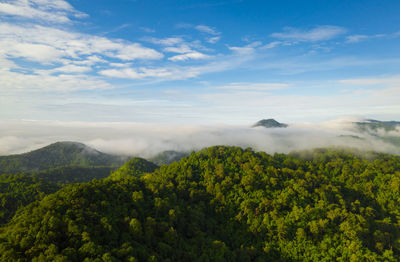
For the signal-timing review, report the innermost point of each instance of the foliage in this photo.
(168, 157)
(134, 167)
(375, 125)
(73, 174)
(56, 155)
(17, 191)
(222, 204)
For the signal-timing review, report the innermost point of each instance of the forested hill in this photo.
(135, 167)
(221, 204)
(270, 123)
(56, 155)
(17, 191)
(369, 125)
(168, 157)
(73, 174)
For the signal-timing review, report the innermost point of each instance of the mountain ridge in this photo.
(270, 123)
(58, 154)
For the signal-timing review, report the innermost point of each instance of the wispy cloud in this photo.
(245, 50)
(189, 55)
(56, 11)
(180, 49)
(253, 86)
(272, 45)
(46, 44)
(44, 81)
(359, 38)
(169, 41)
(138, 73)
(63, 55)
(185, 49)
(213, 40)
(147, 29)
(239, 56)
(381, 81)
(206, 29)
(320, 33)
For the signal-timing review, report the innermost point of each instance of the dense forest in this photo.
(17, 191)
(56, 155)
(220, 204)
(64, 175)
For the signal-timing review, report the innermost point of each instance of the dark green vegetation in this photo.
(17, 191)
(168, 157)
(374, 125)
(134, 168)
(73, 174)
(56, 155)
(269, 123)
(381, 130)
(221, 204)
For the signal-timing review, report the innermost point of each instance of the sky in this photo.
(198, 62)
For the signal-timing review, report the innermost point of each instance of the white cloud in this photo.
(356, 38)
(188, 56)
(43, 81)
(253, 86)
(35, 52)
(320, 33)
(136, 73)
(385, 81)
(72, 69)
(169, 41)
(48, 45)
(184, 48)
(213, 40)
(359, 38)
(136, 51)
(65, 58)
(147, 30)
(206, 29)
(57, 11)
(272, 45)
(146, 140)
(245, 50)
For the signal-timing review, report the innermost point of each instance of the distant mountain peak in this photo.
(384, 122)
(58, 154)
(69, 146)
(270, 123)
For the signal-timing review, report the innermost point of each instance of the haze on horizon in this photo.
(191, 64)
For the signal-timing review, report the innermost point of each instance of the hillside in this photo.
(270, 123)
(373, 125)
(56, 155)
(222, 204)
(73, 174)
(168, 157)
(17, 191)
(135, 167)
(387, 131)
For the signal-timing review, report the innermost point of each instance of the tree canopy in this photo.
(221, 204)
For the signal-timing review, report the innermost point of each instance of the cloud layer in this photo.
(148, 139)
(55, 11)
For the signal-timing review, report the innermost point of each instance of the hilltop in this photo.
(56, 155)
(270, 123)
(369, 125)
(220, 204)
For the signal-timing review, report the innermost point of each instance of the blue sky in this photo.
(198, 62)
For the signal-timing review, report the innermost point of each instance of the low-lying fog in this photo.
(148, 139)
